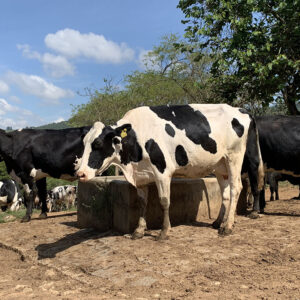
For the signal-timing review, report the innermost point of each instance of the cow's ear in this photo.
(123, 130)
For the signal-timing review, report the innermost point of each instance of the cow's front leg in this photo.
(143, 199)
(163, 188)
(30, 193)
(225, 193)
(42, 193)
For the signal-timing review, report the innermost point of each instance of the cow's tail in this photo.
(261, 171)
(253, 165)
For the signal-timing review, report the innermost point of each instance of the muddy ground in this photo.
(53, 259)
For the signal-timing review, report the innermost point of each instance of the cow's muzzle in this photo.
(82, 176)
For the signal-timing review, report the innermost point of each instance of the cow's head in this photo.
(101, 146)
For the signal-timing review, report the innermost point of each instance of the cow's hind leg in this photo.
(234, 167)
(42, 193)
(225, 193)
(163, 187)
(143, 199)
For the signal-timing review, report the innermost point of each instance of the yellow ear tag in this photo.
(124, 133)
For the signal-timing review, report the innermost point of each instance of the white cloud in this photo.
(4, 88)
(15, 99)
(39, 87)
(14, 123)
(6, 107)
(55, 65)
(27, 52)
(73, 44)
(14, 116)
(59, 120)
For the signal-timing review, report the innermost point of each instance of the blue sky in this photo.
(51, 50)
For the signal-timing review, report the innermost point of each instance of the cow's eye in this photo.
(96, 144)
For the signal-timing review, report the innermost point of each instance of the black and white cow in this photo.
(279, 139)
(10, 196)
(61, 196)
(31, 155)
(153, 144)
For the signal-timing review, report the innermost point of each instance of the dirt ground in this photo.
(53, 259)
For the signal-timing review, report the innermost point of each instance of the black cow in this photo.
(279, 139)
(10, 196)
(32, 155)
(274, 177)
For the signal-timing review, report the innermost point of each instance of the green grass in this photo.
(21, 213)
(17, 214)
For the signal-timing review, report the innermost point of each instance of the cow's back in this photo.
(199, 124)
(189, 136)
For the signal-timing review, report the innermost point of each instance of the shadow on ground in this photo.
(51, 249)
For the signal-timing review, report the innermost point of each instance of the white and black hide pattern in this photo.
(153, 144)
(10, 196)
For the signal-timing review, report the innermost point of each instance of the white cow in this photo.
(153, 144)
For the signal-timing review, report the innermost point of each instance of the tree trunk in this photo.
(290, 98)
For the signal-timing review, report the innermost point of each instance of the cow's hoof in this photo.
(43, 216)
(216, 225)
(253, 215)
(25, 219)
(137, 235)
(223, 231)
(162, 236)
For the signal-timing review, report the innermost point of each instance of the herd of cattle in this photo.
(153, 144)
(59, 198)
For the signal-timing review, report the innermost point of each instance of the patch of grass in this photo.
(4, 216)
(17, 214)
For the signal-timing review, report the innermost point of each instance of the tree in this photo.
(169, 77)
(172, 76)
(254, 45)
(106, 105)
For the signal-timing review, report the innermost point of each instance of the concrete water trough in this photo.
(112, 203)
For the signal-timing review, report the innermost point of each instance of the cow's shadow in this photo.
(50, 250)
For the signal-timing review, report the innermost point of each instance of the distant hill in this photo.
(56, 126)
(59, 125)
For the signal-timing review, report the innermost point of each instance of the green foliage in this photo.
(169, 77)
(254, 45)
(3, 172)
(56, 126)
